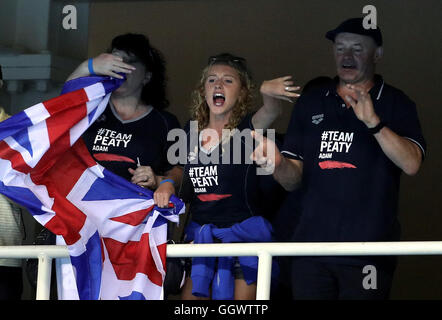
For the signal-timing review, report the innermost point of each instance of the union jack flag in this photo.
(115, 235)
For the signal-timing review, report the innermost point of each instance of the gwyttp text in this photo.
(236, 147)
(222, 309)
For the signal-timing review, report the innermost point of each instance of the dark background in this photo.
(286, 37)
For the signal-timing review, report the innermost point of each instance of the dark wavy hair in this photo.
(154, 92)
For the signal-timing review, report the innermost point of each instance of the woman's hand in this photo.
(273, 91)
(281, 88)
(144, 177)
(105, 64)
(109, 65)
(162, 195)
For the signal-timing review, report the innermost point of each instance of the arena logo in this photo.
(236, 148)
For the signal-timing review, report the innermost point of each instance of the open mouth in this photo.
(219, 99)
(348, 66)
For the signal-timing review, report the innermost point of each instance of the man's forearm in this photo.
(401, 151)
(289, 173)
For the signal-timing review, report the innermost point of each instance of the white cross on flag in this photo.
(115, 234)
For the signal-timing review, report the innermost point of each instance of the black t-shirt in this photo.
(349, 186)
(118, 144)
(222, 193)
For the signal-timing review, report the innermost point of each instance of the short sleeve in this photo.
(293, 140)
(405, 121)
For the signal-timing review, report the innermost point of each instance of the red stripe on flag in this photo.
(61, 103)
(134, 218)
(72, 161)
(134, 257)
(17, 161)
(59, 125)
(68, 113)
(68, 220)
(62, 165)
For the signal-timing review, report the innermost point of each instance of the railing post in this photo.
(264, 276)
(44, 277)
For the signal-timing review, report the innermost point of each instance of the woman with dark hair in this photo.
(130, 137)
(224, 193)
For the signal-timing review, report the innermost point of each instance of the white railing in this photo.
(264, 251)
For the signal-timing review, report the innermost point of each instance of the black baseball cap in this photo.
(354, 25)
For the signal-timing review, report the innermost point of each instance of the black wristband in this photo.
(376, 129)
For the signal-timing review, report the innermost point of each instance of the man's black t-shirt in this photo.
(349, 187)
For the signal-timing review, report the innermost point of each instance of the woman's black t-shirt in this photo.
(223, 182)
(118, 145)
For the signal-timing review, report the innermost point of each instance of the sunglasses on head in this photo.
(226, 58)
(229, 60)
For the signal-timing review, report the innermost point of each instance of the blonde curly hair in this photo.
(199, 108)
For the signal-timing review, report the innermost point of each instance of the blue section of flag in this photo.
(121, 189)
(88, 268)
(22, 138)
(12, 126)
(24, 197)
(109, 83)
(159, 221)
(91, 115)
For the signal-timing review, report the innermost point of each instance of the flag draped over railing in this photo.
(115, 234)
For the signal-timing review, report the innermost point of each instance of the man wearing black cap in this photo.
(347, 143)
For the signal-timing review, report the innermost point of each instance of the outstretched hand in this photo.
(281, 88)
(362, 105)
(266, 154)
